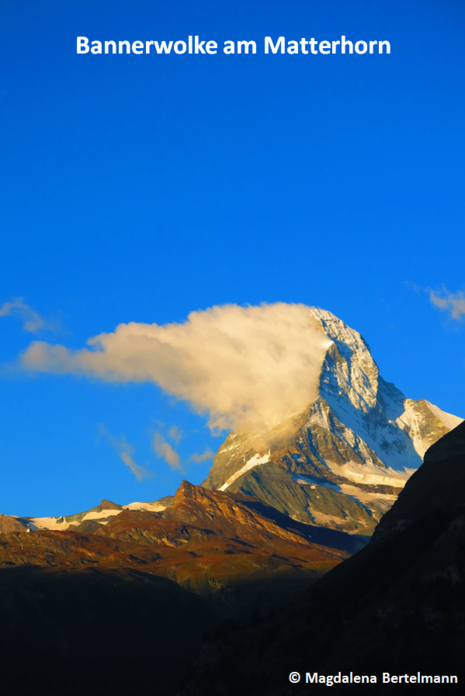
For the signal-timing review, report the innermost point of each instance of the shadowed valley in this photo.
(125, 605)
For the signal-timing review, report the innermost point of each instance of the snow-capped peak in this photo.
(361, 434)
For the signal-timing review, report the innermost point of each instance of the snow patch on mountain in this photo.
(373, 475)
(53, 523)
(64, 523)
(151, 507)
(256, 460)
(102, 515)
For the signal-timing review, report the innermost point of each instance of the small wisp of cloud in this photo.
(204, 457)
(165, 451)
(125, 452)
(31, 320)
(175, 434)
(452, 303)
(449, 302)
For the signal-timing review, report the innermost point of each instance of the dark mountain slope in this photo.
(96, 632)
(397, 606)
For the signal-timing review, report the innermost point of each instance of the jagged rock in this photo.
(11, 524)
(108, 505)
(238, 516)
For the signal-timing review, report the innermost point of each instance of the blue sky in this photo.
(141, 188)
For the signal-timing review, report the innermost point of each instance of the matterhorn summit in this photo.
(344, 459)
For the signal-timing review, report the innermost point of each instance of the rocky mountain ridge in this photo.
(203, 537)
(89, 520)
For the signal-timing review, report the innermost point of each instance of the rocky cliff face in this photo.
(238, 516)
(346, 457)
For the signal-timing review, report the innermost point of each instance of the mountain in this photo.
(252, 573)
(396, 606)
(347, 456)
(339, 464)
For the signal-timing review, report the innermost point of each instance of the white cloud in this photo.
(164, 450)
(246, 367)
(449, 302)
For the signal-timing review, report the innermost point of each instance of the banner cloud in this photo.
(248, 368)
